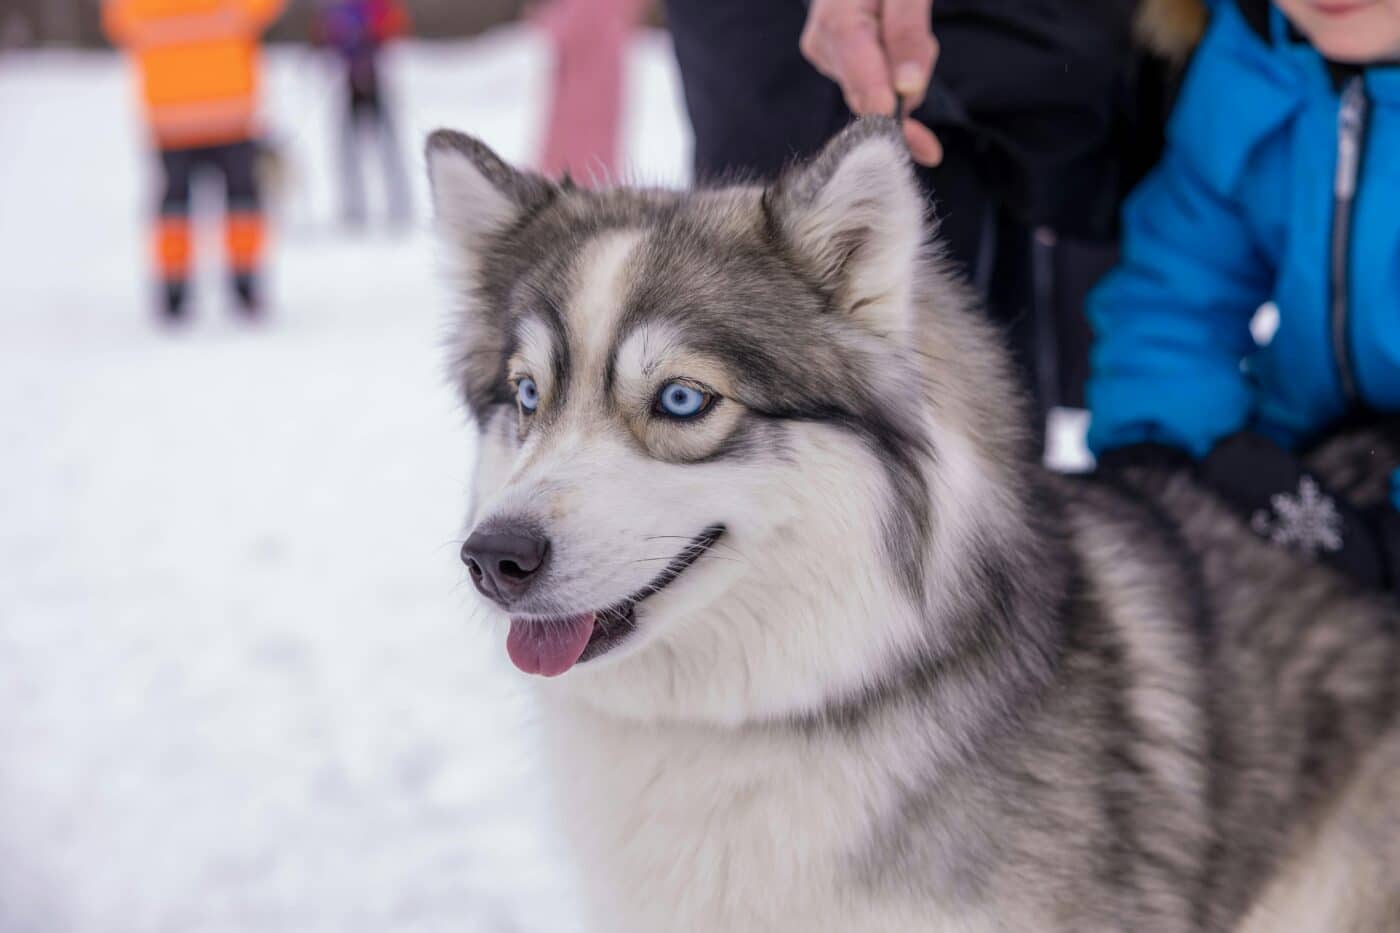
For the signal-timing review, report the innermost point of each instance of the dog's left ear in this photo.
(855, 216)
(476, 193)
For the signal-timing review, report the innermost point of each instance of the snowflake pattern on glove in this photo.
(1307, 520)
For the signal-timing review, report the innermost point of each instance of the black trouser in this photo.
(366, 112)
(236, 164)
(1028, 191)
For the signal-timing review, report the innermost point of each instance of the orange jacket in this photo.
(197, 61)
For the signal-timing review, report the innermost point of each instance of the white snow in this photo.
(243, 682)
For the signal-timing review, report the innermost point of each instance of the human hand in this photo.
(875, 49)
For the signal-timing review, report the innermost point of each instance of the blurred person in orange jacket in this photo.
(357, 31)
(198, 62)
(585, 112)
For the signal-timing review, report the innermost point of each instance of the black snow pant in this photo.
(1046, 113)
(236, 164)
(367, 113)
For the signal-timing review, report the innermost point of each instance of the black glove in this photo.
(1385, 523)
(1289, 507)
(1162, 456)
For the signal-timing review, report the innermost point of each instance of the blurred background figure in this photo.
(198, 63)
(589, 40)
(357, 32)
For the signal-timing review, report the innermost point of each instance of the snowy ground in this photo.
(241, 684)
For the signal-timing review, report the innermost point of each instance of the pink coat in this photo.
(585, 112)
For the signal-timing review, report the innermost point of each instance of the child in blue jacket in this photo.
(1280, 182)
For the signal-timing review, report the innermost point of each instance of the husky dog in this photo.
(823, 648)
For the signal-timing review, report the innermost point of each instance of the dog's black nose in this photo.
(504, 561)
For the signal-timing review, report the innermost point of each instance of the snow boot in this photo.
(248, 295)
(174, 304)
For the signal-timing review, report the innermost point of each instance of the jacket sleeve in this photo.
(391, 21)
(263, 13)
(118, 21)
(1171, 322)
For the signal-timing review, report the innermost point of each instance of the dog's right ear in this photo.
(477, 196)
(476, 193)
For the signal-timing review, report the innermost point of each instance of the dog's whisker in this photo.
(719, 543)
(671, 557)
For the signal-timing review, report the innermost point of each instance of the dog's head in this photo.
(709, 451)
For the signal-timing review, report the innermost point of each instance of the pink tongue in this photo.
(551, 647)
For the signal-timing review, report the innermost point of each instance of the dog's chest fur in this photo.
(680, 828)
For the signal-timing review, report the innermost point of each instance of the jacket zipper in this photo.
(1351, 138)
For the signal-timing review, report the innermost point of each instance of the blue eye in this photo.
(678, 400)
(528, 395)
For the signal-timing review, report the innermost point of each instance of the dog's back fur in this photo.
(929, 686)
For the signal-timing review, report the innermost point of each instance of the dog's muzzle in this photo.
(507, 559)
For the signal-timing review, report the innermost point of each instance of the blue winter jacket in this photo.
(1276, 185)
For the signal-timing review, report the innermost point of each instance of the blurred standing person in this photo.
(585, 112)
(357, 31)
(199, 68)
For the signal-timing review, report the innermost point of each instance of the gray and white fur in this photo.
(906, 680)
